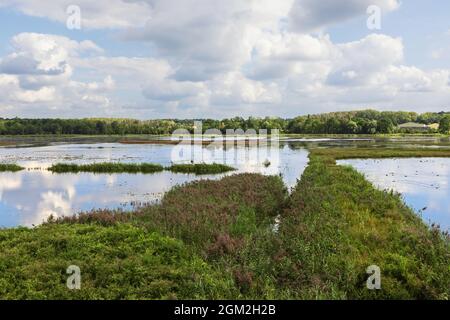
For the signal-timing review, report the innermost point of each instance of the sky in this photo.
(149, 59)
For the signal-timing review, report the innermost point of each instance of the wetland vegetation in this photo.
(332, 154)
(106, 167)
(110, 167)
(241, 237)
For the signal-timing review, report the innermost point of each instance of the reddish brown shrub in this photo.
(243, 279)
(223, 244)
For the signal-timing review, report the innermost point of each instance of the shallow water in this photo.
(423, 182)
(32, 195)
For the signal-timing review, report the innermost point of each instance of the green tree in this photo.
(444, 124)
(352, 127)
(385, 125)
(100, 127)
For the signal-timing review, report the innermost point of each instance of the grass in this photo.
(227, 222)
(10, 167)
(198, 243)
(7, 143)
(201, 211)
(107, 167)
(200, 168)
(337, 224)
(116, 262)
(364, 153)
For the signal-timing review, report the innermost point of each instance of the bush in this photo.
(116, 262)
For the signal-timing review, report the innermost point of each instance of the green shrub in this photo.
(116, 262)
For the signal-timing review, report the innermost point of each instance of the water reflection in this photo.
(424, 183)
(31, 196)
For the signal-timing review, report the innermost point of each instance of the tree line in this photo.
(353, 122)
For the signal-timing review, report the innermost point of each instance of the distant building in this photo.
(434, 126)
(414, 127)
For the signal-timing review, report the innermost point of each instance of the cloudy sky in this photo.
(222, 58)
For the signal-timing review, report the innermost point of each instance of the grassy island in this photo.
(106, 167)
(10, 167)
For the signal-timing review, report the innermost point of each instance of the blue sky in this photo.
(211, 58)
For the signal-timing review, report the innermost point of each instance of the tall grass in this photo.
(364, 153)
(222, 228)
(120, 261)
(337, 224)
(200, 211)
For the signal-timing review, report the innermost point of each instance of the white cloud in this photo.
(108, 14)
(311, 15)
(201, 38)
(44, 94)
(40, 70)
(235, 89)
(415, 80)
(211, 57)
(278, 55)
(359, 61)
(42, 54)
